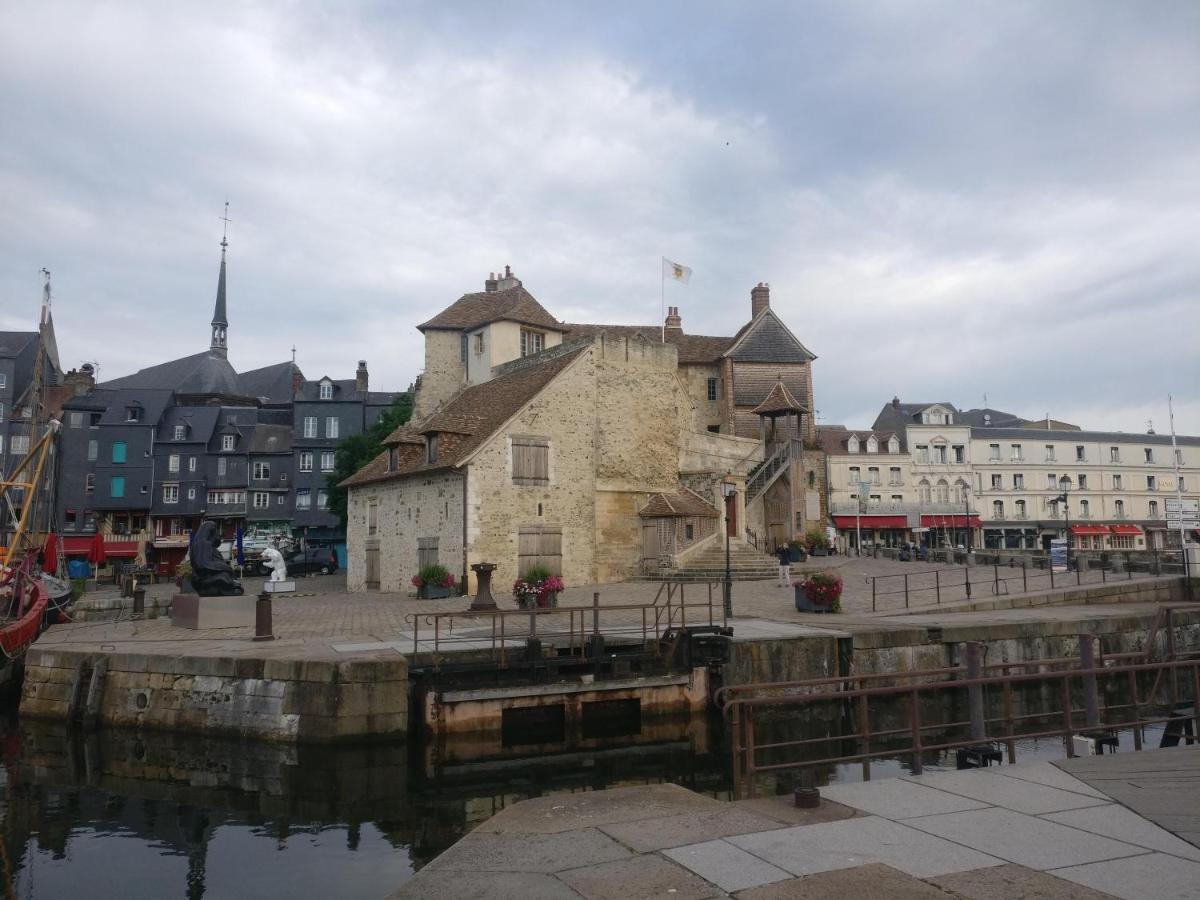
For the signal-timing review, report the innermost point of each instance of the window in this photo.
(532, 342)
(894, 475)
(331, 426)
(714, 429)
(1116, 482)
(1051, 482)
(943, 491)
(530, 460)
(262, 471)
(1122, 542)
(1178, 457)
(310, 426)
(1018, 481)
(279, 498)
(3, 380)
(922, 453)
(1181, 484)
(1049, 453)
(893, 444)
(180, 432)
(712, 389)
(431, 448)
(855, 476)
(939, 453)
(74, 420)
(479, 344)
(1082, 481)
(173, 463)
(1085, 509)
(427, 552)
(1, 412)
(462, 348)
(118, 451)
(1119, 508)
(326, 391)
(306, 459)
(994, 452)
(322, 499)
(1016, 453)
(116, 486)
(133, 413)
(872, 445)
(997, 509)
(191, 493)
(923, 494)
(93, 450)
(261, 499)
(539, 546)
(170, 493)
(1079, 455)
(373, 518)
(226, 498)
(852, 444)
(874, 501)
(1151, 483)
(1114, 454)
(997, 482)
(222, 467)
(19, 445)
(89, 483)
(1149, 451)
(303, 499)
(1020, 504)
(873, 475)
(94, 420)
(227, 442)
(1154, 509)
(327, 458)
(960, 453)
(897, 501)
(191, 464)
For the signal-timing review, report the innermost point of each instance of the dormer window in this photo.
(227, 442)
(893, 445)
(852, 444)
(180, 432)
(532, 342)
(431, 448)
(393, 458)
(325, 391)
(133, 413)
(872, 445)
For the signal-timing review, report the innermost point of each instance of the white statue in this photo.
(274, 561)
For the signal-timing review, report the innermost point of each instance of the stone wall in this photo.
(444, 375)
(265, 699)
(705, 412)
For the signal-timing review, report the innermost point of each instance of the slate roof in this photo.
(779, 401)
(13, 342)
(200, 421)
(153, 403)
(467, 421)
(200, 373)
(767, 339)
(470, 311)
(270, 383)
(1115, 437)
(895, 416)
(682, 503)
(693, 348)
(995, 418)
(835, 440)
(271, 439)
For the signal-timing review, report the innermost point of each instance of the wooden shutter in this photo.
(539, 545)
(531, 460)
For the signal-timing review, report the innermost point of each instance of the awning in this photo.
(951, 521)
(1089, 529)
(122, 548)
(871, 521)
(76, 546)
(1124, 529)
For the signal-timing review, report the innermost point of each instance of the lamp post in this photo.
(729, 490)
(1064, 485)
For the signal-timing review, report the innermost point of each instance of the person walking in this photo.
(784, 554)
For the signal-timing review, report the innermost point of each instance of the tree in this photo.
(357, 450)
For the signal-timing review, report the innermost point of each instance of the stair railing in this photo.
(765, 474)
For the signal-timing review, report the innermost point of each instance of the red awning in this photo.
(122, 548)
(871, 521)
(949, 521)
(1089, 529)
(76, 546)
(1124, 529)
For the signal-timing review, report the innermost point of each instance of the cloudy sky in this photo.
(948, 199)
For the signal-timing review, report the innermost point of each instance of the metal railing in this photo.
(764, 474)
(748, 707)
(505, 631)
(1019, 574)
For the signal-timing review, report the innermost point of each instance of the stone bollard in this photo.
(262, 618)
(483, 593)
(806, 794)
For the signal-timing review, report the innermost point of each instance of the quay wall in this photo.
(264, 699)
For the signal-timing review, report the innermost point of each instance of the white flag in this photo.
(676, 271)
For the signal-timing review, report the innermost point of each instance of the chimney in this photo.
(297, 380)
(508, 281)
(80, 380)
(489, 286)
(674, 324)
(895, 402)
(760, 299)
(360, 377)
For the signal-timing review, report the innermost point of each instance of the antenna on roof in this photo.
(45, 295)
(225, 228)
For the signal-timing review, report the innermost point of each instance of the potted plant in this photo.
(796, 546)
(538, 589)
(816, 541)
(819, 592)
(183, 575)
(433, 582)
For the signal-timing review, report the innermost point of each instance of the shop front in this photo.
(876, 530)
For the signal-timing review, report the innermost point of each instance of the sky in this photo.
(949, 200)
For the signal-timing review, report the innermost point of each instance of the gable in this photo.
(767, 339)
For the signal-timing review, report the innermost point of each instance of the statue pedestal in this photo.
(279, 587)
(200, 613)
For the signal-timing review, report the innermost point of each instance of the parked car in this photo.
(314, 560)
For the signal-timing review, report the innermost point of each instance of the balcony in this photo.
(851, 507)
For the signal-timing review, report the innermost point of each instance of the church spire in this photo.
(220, 323)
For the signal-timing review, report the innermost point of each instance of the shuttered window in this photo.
(427, 552)
(539, 545)
(531, 460)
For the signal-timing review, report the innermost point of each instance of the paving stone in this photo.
(1027, 840)
(1010, 881)
(1125, 825)
(875, 881)
(427, 885)
(483, 852)
(646, 835)
(1048, 774)
(1011, 793)
(641, 877)
(808, 849)
(895, 798)
(730, 868)
(564, 812)
(1153, 875)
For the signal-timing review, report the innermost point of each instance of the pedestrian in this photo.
(784, 554)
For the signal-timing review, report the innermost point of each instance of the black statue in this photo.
(211, 575)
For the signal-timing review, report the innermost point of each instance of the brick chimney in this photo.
(80, 380)
(508, 281)
(489, 286)
(760, 299)
(674, 324)
(297, 381)
(360, 376)
(895, 402)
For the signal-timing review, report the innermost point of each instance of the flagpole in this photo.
(662, 297)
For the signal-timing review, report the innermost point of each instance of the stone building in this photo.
(596, 450)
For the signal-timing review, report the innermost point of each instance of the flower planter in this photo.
(819, 551)
(548, 601)
(796, 554)
(804, 603)
(431, 592)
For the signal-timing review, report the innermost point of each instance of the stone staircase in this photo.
(745, 564)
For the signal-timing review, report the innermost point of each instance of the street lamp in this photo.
(729, 490)
(1064, 485)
